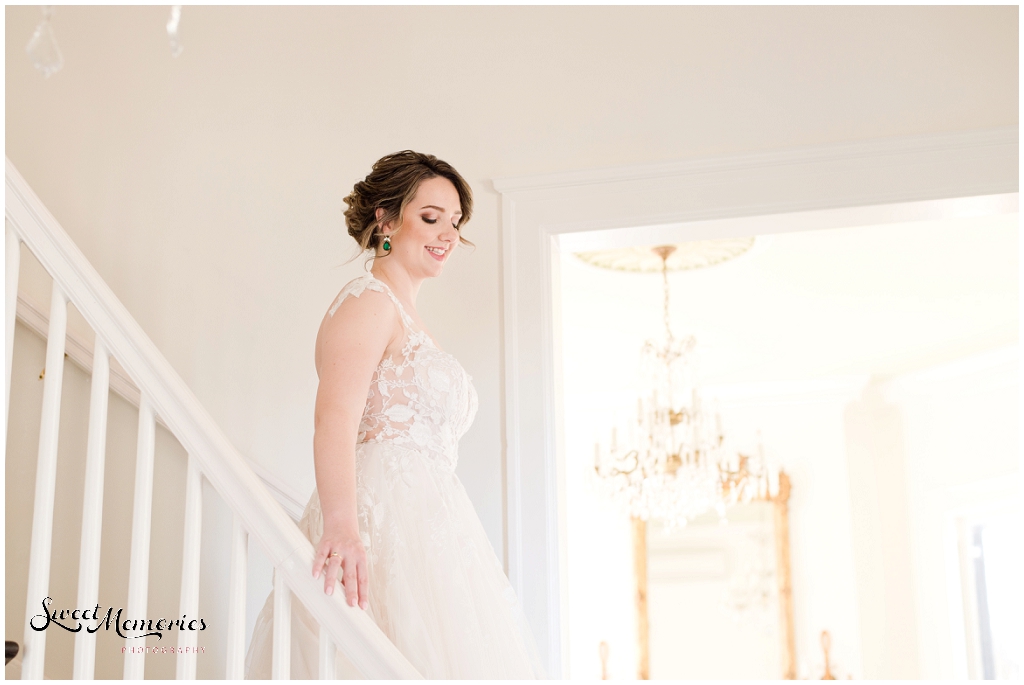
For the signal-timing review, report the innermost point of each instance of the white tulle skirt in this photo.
(436, 588)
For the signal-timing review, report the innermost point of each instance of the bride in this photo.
(389, 518)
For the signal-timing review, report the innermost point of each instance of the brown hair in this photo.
(390, 186)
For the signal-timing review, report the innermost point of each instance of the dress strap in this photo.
(356, 287)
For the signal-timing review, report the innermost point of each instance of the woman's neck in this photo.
(402, 284)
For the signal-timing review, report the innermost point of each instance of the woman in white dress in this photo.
(389, 518)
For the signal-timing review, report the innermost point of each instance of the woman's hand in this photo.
(345, 552)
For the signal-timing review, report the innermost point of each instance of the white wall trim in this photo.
(878, 181)
(80, 352)
(995, 138)
(980, 372)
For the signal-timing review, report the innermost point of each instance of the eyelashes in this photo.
(428, 220)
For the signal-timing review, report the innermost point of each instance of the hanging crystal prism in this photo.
(42, 47)
(172, 31)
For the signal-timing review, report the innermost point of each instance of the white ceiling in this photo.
(877, 300)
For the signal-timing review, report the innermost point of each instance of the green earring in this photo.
(387, 244)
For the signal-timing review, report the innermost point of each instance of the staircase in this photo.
(164, 397)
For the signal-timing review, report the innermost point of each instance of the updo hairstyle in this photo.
(390, 186)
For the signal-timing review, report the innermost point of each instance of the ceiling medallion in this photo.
(696, 254)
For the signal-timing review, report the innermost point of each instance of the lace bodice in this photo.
(420, 397)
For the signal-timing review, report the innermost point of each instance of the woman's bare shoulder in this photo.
(362, 315)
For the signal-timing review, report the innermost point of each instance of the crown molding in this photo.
(1006, 137)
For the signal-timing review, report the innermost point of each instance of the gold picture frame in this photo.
(783, 577)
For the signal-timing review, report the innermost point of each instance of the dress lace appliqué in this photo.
(421, 397)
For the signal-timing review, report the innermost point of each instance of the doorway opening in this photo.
(865, 360)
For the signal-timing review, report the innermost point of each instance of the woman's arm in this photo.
(350, 345)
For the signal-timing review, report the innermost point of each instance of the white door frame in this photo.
(874, 182)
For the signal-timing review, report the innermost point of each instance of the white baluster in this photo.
(189, 606)
(235, 669)
(142, 513)
(13, 261)
(328, 655)
(281, 668)
(46, 482)
(92, 509)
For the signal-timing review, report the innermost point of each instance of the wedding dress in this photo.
(436, 588)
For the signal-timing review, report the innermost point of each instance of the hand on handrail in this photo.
(338, 551)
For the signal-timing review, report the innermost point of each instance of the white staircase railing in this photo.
(211, 456)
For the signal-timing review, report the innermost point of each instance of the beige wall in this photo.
(207, 189)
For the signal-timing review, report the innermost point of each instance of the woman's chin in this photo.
(434, 269)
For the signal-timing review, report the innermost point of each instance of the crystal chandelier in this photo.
(678, 466)
(671, 472)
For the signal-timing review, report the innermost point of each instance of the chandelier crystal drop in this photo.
(42, 46)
